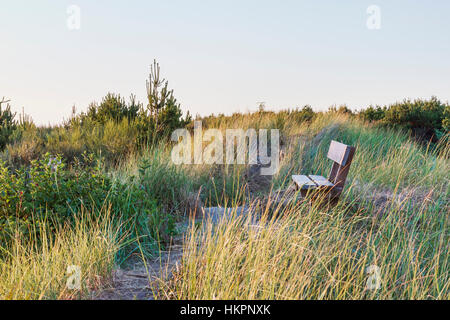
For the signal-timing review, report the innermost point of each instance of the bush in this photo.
(7, 124)
(111, 140)
(47, 187)
(26, 146)
(113, 128)
(113, 107)
(425, 114)
(341, 110)
(171, 118)
(446, 120)
(372, 113)
(306, 114)
(427, 119)
(49, 190)
(69, 143)
(165, 182)
(117, 139)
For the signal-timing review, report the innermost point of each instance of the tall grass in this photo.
(311, 253)
(175, 187)
(36, 267)
(392, 215)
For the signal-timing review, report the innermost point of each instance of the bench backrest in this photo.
(342, 155)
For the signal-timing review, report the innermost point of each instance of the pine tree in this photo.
(157, 93)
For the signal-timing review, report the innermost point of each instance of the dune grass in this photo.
(393, 215)
(391, 223)
(36, 268)
(310, 254)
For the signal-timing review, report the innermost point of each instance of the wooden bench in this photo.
(342, 155)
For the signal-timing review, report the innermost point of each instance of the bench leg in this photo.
(326, 196)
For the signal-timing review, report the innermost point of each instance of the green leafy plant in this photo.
(416, 114)
(7, 123)
(48, 189)
(372, 113)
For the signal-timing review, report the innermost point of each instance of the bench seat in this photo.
(311, 182)
(342, 156)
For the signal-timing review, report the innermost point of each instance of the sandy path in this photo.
(139, 280)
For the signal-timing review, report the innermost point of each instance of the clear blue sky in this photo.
(223, 56)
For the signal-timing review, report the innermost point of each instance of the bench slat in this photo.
(303, 182)
(321, 181)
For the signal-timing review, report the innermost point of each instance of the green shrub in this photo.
(26, 146)
(341, 110)
(426, 119)
(48, 187)
(427, 114)
(113, 107)
(111, 140)
(113, 128)
(164, 181)
(117, 139)
(372, 113)
(446, 120)
(171, 118)
(306, 114)
(69, 143)
(7, 124)
(49, 190)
